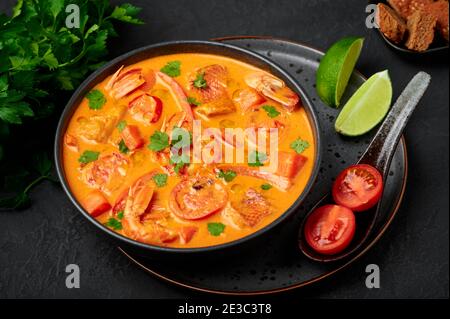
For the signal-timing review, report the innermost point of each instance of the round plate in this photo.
(279, 265)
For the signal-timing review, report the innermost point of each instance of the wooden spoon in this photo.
(379, 154)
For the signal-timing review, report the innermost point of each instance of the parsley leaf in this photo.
(228, 176)
(158, 141)
(120, 215)
(257, 159)
(126, 13)
(266, 187)
(172, 68)
(216, 229)
(160, 180)
(88, 156)
(179, 162)
(121, 126)
(271, 111)
(96, 99)
(114, 223)
(200, 82)
(299, 145)
(123, 148)
(193, 101)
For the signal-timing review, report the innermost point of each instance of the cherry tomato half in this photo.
(330, 229)
(358, 187)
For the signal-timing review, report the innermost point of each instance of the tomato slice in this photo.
(358, 187)
(330, 229)
(197, 197)
(132, 137)
(146, 108)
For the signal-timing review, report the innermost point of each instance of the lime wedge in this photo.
(335, 69)
(367, 107)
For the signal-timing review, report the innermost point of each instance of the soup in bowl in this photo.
(187, 150)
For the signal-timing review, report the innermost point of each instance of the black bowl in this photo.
(155, 50)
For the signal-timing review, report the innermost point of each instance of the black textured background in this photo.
(36, 244)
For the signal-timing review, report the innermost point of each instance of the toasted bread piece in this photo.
(421, 27)
(407, 7)
(391, 23)
(439, 10)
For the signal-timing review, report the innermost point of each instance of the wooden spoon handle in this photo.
(382, 148)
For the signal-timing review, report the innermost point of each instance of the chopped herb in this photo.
(271, 111)
(228, 176)
(299, 145)
(200, 82)
(96, 99)
(88, 156)
(216, 229)
(193, 101)
(178, 139)
(179, 162)
(158, 141)
(257, 159)
(266, 187)
(123, 148)
(120, 215)
(172, 69)
(160, 180)
(114, 224)
(121, 126)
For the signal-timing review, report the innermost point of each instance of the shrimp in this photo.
(139, 197)
(273, 88)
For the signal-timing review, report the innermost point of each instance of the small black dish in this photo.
(208, 47)
(438, 46)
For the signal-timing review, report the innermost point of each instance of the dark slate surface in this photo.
(36, 244)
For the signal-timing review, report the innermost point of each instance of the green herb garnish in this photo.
(299, 145)
(266, 187)
(179, 162)
(114, 223)
(216, 229)
(172, 69)
(228, 176)
(88, 156)
(96, 99)
(123, 148)
(160, 180)
(257, 159)
(45, 52)
(193, 101)
(158, 141)
(121, 126)
(200, 82)
(271, 111)
(120, 215)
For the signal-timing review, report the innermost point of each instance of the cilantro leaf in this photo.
(200, 82)
(160, 179)
(120, 215)
(216, 229)
(179, 162)
(193, 101)
(271, 111)
(158, 141)
(121, 126)
(172, 69)
(256, 159)
(88, 156)
(114, 223)
(123, 148)
(299, 145)
(266, 187)
(96, 99)
(228, 176)
(126, 13)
